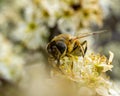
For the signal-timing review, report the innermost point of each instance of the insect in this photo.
(67, 45)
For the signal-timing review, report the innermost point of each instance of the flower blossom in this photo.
(88, 72)
(11, 65)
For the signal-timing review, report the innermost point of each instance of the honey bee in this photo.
(67, 45)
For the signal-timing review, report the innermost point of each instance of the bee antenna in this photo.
(90, 33)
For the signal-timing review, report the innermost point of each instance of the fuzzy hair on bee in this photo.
(67, 45)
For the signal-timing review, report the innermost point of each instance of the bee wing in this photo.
(89, 34)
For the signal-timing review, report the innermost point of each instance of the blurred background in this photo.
(26, 26)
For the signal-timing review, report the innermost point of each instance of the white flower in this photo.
(87, 72)
(11, 65)
(103, 91)
(32, 35)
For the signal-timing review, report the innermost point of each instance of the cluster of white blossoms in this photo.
(88, 73)
(70, 16)
(11, 65)
(31, 34)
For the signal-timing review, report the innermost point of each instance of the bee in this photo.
(67, 45)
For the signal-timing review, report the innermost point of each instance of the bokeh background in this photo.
(26, 26)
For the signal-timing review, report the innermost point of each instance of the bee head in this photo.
(56, 48)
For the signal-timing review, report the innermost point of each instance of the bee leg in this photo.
(58, 62)
(72, 59)
(77, 50)
(84, 47)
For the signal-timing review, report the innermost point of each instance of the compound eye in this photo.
(61, 46)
